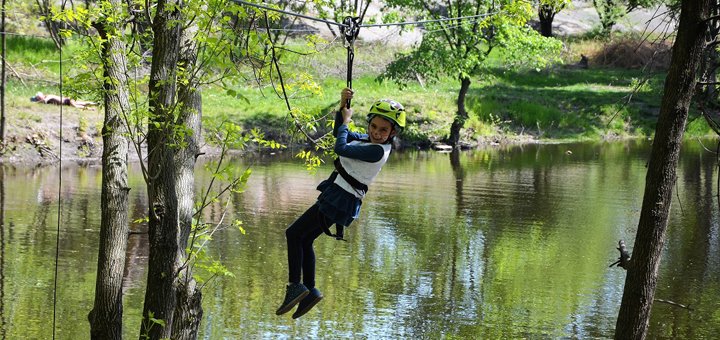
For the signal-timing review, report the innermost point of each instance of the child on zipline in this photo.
(360, 158)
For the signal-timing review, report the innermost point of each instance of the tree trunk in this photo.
(642, 271)
(546, 15)
(188, 312)
(106, 315)
(163, 231)
(709, 75)
(462, 114)
(710, 61)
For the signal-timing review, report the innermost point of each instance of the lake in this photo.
(505, 242)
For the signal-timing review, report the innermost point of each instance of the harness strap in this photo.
(340, 232)
(348, 178)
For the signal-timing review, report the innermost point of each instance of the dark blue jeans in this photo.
(300, 236)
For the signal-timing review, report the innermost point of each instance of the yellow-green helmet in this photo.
(390, 110)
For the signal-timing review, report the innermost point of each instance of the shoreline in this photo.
(25, 154)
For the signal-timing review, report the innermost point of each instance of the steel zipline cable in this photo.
(330, 22)
(423, 22)
(406, 23)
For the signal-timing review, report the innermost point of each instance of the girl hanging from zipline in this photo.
(360, 158)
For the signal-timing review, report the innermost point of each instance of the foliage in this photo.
(612, 11)
(461, 48)
(21, 17)
(152, 322)
(547, 9)
(609, 11)
(226, 180)
(554, 6)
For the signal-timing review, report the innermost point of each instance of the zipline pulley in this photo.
(350, 30)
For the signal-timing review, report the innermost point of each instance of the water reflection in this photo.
(499, 243)
(3, 326)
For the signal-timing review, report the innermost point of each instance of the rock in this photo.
(442, 147)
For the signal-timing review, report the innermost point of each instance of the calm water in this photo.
(500, 243)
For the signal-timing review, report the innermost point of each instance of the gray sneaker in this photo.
(308, 303)
(294, 292)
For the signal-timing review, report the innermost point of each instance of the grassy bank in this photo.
(557, 103)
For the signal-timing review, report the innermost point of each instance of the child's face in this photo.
(380, 129)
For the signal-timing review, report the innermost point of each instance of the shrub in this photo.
(633, 52)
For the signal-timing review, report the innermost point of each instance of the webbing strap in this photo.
(349, 178)
(340, 232)
(350, 30)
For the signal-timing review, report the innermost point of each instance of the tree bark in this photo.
(546, 13)
(188, 312)
(461, 116)
(163, 231)
(710, 61)
(106, 315)
(642, 271)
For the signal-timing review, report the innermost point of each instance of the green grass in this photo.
(563, 103)
(30, 53)
(556, 103)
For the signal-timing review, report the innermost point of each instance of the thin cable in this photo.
(449, 27)
(289, 29)
(59, 214)
(288, 13)
(421, 22)
(407, 23)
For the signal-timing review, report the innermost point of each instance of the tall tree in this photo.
(642, 268)
(106, 315)
(160, 295)
(173, 299)
(460, 48)
(188, 312)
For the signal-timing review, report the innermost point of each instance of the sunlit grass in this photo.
(38, 56)
(556, 103)
(559, 103)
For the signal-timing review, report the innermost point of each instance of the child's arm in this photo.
(343, 117)
(368, 152)
(351, 136)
